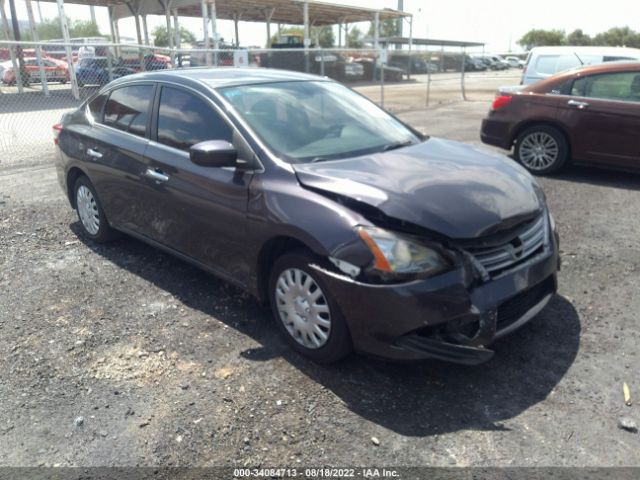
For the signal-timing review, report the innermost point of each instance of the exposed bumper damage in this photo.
(453, 317)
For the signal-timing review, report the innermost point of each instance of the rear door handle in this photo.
(577, 104)
(94, 153)
(156, 175)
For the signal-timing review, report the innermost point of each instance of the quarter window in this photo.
(95, 107)
(128, 109)
(184, 120)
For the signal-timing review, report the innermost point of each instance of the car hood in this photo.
(447, 187)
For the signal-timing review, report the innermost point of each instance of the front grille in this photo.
(514, 308)
(526, 242)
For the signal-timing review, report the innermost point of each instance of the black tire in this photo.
(338, 344)
(104, 232)
(556, 145)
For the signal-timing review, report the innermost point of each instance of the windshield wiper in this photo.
(396, 145)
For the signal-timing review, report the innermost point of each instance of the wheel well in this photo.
(269, 252)
(72, 176)
(544, 123)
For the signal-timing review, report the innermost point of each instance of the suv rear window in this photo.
(546, 64)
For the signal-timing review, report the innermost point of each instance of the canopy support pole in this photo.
(34, 37)
(12, 51)
(214, 30)
(205, 30)
(268, 15)
(67, 40)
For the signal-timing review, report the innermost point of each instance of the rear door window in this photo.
(185, 119)
(621, 86)
(128, 109)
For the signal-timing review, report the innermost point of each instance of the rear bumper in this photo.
(444, 317)
(496, 132)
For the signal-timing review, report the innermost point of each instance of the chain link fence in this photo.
(38, 83)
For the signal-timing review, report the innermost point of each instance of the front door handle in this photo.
(577, 104)
(156, 175)
(94, 153)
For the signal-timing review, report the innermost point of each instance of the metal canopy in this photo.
(289, 12)
(427, 41)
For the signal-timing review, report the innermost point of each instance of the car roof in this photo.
(609, 67)
(609, 51)
(216, 77)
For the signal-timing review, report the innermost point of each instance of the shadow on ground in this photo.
(418, 399)
(599, 177)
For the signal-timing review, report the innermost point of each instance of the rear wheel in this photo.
(305, 310)
(541, 149)
(92, 218)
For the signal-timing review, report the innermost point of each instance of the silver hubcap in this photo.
(303, 308)
(88, 210)
(539, 150)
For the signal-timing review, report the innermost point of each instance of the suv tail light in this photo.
(57, 128)
(501, 100)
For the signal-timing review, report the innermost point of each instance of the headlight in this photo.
(393, 253)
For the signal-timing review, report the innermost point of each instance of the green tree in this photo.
(578, 38)
(161, 39)
(618, 37)
(542, 38)
(84, 28)
(325, 36)
(50, 29)
(354, 38)
(388, 28)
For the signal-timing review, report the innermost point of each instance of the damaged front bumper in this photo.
(443, 317)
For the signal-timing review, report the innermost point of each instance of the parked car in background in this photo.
(515, 62)
(357, 230)
(412, 64)
(500, 62)
(590, 115)
(54, 70)
(489, 63)
(152, 61)
(95, 71)
(372, 70)
(543, 62)
(474, 65)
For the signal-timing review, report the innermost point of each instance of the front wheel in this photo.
(541, 149)
(305, 310)
(92, 218)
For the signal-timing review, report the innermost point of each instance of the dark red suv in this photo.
(590, 116)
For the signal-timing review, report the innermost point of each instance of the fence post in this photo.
(464, 58)
(381, 78)
(428, 77)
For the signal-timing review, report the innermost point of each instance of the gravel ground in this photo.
(122, 355)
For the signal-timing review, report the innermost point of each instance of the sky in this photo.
(497, 23)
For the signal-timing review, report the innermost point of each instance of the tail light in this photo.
(57, 128)
(501, 100)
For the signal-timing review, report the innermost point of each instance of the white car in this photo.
(514, 62)
(544, 62)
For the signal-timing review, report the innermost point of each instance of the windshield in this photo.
(314, 121)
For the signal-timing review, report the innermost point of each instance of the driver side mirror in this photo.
(214, 153)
